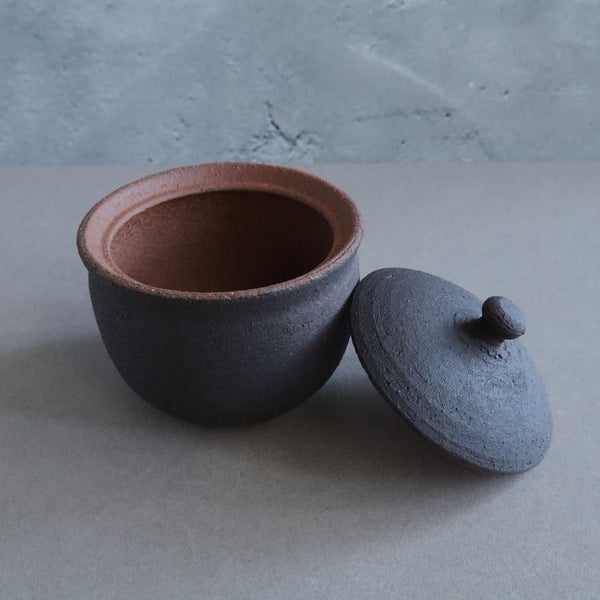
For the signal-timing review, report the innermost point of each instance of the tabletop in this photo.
(102, 496)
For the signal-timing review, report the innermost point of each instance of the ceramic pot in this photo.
(221, 291)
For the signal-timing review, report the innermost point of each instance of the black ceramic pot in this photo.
(221, 291)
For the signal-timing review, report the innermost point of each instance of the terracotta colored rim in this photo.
(107, 216)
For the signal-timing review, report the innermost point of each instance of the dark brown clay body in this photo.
(222, 291)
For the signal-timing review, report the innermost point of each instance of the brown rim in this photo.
(106, 217)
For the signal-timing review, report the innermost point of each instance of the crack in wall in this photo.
(293, 141)
(273, 140)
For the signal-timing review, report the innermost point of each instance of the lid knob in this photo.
(502, 318)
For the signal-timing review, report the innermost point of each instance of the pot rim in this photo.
(105, 218)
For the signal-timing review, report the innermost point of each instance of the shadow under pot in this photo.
(221, 291)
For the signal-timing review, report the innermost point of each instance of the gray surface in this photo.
(281, 80)
(104, 497)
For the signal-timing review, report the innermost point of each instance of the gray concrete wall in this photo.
(288, 80)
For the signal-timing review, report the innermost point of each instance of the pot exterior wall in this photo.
(232, 360)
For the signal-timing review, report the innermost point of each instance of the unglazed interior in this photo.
(222, 241)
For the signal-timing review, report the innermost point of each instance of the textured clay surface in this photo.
(428, 352)
(222, 291)
(222, 241)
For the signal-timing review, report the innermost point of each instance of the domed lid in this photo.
(453, 367)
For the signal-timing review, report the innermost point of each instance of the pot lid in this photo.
(453, 367)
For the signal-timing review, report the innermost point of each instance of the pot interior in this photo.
(222, 241)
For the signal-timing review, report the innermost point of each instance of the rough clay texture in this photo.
(221, 362)
(478, 398)
(280, 80)
(201, 344)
